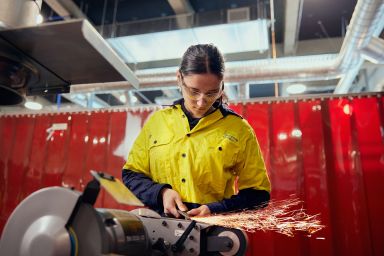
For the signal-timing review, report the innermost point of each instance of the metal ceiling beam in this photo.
(293, 12)
(181, 7)
(66, 9)
(58, 8)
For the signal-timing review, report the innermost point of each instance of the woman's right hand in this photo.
(171, 200)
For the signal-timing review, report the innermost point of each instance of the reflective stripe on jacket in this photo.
(203, 163)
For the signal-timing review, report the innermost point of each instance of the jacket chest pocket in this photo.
(216, 164)
(216, 168)
(221, 153)
(159, 157)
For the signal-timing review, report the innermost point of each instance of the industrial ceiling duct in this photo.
(374, 51)
(366, 23)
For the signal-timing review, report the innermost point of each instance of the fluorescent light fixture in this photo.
(296, 88)
(153, 46)
(237, 37)
(229, 38)
(33, 105)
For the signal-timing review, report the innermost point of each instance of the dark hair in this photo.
(202, 59)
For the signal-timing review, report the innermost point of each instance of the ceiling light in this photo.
(296, 88)
(33, 105)
(39, 19)
(134, 99)
(123, 98)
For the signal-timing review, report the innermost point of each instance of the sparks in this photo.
(283, 216)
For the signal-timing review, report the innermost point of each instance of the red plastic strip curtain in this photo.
(33, 176)
(310, 137)
(7, 132)
(345, 180)
(368, 117)
(17, 160)
(327, 152)
(330, 154)
(77, 151)
(258, 116)
(116, 150)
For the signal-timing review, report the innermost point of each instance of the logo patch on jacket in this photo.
(230, 137)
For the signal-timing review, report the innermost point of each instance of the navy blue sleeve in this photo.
(145, 189)
(246, 199)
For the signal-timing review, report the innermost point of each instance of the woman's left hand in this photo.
(200, 211)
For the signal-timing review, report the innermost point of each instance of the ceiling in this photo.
(319, 19)
(302, 28)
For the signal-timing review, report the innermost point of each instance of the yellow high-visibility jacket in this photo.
(200, 164)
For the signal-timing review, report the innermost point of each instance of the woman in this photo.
(189, 155)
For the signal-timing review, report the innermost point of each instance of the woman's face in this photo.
(200, 91)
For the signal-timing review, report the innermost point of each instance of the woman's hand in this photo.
(203, 210)
(171, 200)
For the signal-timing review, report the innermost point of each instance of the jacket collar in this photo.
(223, 108)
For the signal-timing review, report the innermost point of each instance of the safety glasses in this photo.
(195, 94)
